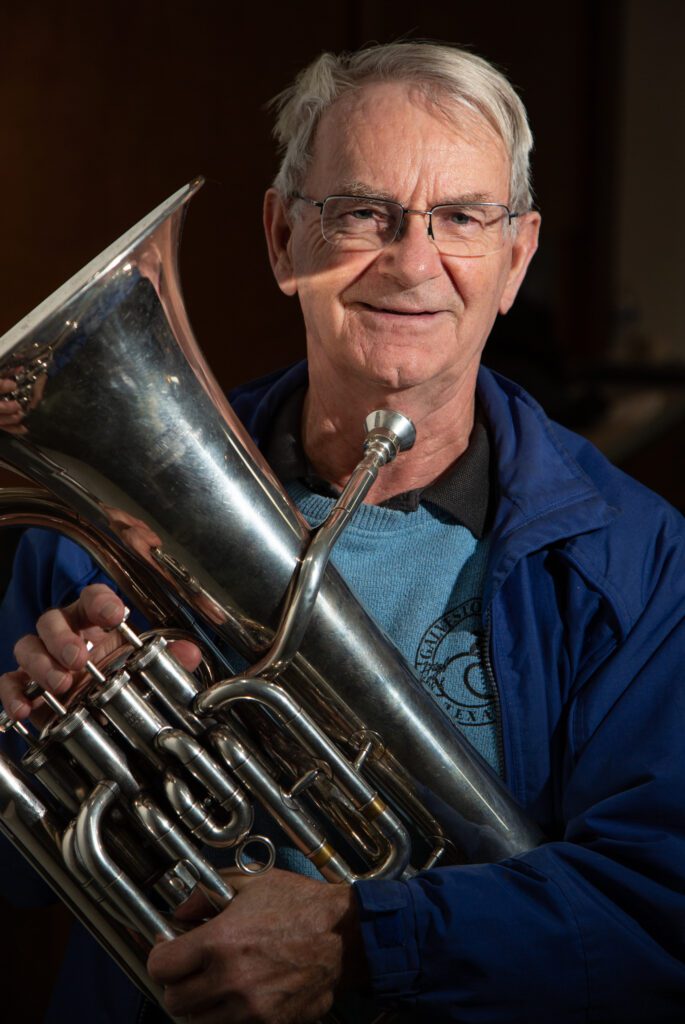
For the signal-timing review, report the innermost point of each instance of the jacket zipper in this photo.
(485, 645)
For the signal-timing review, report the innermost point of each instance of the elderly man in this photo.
(401, 219)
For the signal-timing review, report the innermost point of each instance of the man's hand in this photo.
(275, 955)
(56, 654)
(12, 412)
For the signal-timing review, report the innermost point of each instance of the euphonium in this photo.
(329, 730)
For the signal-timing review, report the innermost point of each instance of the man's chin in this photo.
(395, 375)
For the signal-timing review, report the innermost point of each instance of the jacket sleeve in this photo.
(588, 927)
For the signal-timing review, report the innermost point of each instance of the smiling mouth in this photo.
(398, 312)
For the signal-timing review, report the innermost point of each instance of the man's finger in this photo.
(37, 663)
(59, 629)
(97, 605)
(186, 654)
(195, 996)
(175, 959)
(12, 686)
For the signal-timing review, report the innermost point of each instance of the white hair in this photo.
(444, 74)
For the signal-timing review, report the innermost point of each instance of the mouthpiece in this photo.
(397, 428)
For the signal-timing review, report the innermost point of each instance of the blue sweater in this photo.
(584, 604)
(420, 576)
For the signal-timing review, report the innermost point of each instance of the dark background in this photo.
(107, 108)
(105, 114)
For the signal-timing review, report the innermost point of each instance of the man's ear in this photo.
(278, 232)
(522, 251)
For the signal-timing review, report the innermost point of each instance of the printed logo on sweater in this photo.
(449, 662)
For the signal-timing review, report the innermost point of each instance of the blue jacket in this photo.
(584, 611)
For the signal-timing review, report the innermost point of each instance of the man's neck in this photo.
(333, 431)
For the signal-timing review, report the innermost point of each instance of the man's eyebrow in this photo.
(466, 197)
(364, 191)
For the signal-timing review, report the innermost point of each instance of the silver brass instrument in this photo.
(141, 460)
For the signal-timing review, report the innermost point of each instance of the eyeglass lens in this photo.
(366, 224)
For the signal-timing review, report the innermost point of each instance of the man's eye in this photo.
(361, 219)
(368, 214)
(465, 218)
(464, 222)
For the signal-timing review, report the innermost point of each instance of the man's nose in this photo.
(413, 257)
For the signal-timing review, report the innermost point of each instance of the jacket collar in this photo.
(256, 403)
(544, 495)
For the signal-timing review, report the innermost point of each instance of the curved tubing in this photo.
(208, 773)
(119, 888)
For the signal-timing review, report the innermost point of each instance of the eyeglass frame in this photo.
(320, 203)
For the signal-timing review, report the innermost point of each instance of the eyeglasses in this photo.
(363, 224)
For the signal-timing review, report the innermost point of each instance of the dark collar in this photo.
(463, 491)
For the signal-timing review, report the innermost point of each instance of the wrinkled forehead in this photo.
(387, 125)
